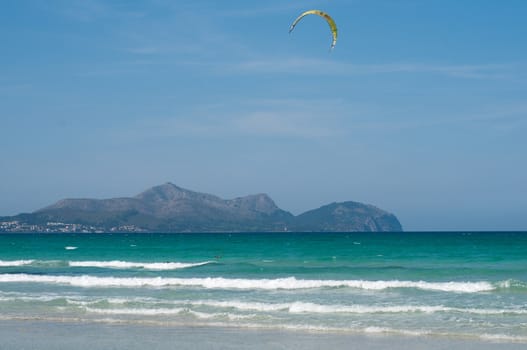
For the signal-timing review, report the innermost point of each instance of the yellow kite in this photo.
(331, 22)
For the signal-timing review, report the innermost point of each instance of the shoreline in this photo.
(54, 334)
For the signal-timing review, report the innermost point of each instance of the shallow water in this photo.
(47, 335)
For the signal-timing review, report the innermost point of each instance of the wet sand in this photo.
(46, 335)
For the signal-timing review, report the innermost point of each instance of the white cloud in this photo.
(282, 124)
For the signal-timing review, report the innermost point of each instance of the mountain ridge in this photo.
(170, 208)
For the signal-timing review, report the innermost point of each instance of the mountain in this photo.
(169, 208)
(347, 216)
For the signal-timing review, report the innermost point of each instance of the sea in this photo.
(457, 285)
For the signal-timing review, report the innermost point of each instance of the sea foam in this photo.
(306, 307)
(289, 283)
(135, 311)
(14, 263)
(294, 307)
(116, 264)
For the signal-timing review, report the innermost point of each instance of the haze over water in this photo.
(453, 285)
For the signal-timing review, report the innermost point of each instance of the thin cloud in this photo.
(90, 10)
(263, 10)
(323, 67)
(504, 118)
(261, 118)
(261, 124)
(282, 125)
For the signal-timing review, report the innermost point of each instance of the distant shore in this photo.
(46, 335)
(169, 208)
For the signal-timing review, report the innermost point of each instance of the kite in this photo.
(331, 22)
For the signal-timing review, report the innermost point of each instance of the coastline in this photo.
(47, 335)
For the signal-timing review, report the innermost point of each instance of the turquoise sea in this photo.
(456, 285)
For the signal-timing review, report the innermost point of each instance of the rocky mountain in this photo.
(169, 208)
(347, 216)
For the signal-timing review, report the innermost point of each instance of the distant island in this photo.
(169, 208)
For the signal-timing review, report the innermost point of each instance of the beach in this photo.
(45, 335)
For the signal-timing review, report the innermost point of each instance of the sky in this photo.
(421, 108)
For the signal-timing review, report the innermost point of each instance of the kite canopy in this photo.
(331, 22)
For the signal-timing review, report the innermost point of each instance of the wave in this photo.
(301, 307)
(113, 264)
(513, 285)
(295, 307)
(419, 333)
(135, 311)
(14, 263)
(167, 312)
(305, 307)
(289, 283)
(116, 264)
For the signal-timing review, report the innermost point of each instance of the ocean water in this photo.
(453, 285)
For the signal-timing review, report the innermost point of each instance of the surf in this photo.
(117, 264)
(288, 283)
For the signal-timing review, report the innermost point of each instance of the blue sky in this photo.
(421, 109)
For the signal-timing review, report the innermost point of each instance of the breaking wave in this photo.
(288, 283)
(113, 264)
(116, 264)
(14, 263)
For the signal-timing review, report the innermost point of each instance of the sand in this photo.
(46, 335)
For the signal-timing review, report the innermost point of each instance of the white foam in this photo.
(30, 299)
(300, 307)
(14, 263)
(166, 312)
(136, 311)
(232, 317)
(289, 283)
(304, 307)
(240, 305)
(492, 311)
(504, 338)
(420, 333)
(116, 264)
(87, 301)
(70, 248)
(296, 307)
(382, 330)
